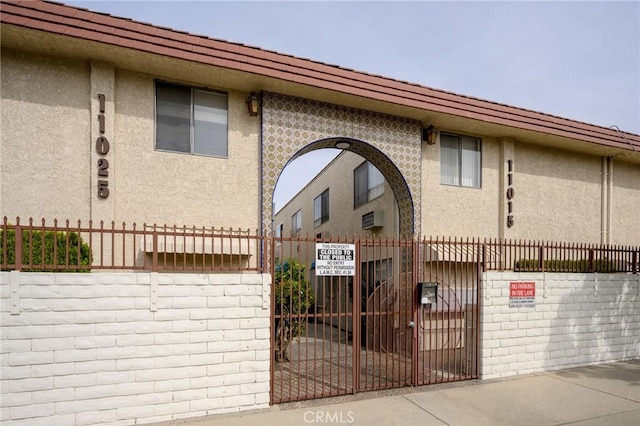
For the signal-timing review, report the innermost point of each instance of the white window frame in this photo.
(374, 184)
(215, 116)
(460, 165)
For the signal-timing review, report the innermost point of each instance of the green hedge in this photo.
(66, 245)
(555, 265)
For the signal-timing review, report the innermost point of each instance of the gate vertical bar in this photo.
(19, 248)
(272, 321)
(417, 267)
(356, 319)
(482, 267)
(272, 316)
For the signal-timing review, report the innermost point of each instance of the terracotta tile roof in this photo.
(81, 23)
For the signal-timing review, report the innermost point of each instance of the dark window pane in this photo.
(173, 112)
(325, 206)
(317, 211)
(360, 192)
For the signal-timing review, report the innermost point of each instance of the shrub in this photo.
(34, 245)
(293, 297)
(556, 265)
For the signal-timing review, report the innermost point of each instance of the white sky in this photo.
(576, 59)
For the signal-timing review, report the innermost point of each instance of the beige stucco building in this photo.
(108, 119)
(561, 196)
(113, 121)
(50, 106)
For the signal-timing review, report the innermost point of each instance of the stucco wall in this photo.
(48, 164)
(123, 348)
(48, 142)
(578, 319)
(460, 211)
(165, 187)
(625, 203)
(45, 139)
(557, 195)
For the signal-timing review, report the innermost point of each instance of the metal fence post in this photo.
(18, 230)
(154, 255)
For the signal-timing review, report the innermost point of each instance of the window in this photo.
(368, 183)
(460, 161)
(296, 223)
(279, 231)
(321, 208)
(191, 120)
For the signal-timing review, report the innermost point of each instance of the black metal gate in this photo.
(336, 335)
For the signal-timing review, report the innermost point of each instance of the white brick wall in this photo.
(578, 319)
(95, 348)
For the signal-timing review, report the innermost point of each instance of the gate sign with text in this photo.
(335, 259)
(522, 294)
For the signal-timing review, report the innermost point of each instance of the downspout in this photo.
(604, 201)
(609, 197)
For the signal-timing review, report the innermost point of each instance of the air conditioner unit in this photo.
(373, 219)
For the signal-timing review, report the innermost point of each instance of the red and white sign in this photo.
(522, 294)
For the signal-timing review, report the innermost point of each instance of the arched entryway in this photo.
(292, 127)
(381, 162)
(357, 338)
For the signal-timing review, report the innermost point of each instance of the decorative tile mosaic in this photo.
(292, 127)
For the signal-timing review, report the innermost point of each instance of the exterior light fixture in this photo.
(253, 104)
(429, 134)
(343, 145)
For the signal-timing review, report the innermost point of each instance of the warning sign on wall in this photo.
(335, 259)
(522, 294)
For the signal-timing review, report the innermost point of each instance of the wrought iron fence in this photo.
(534, 256)
(331, 335)
(77, 246)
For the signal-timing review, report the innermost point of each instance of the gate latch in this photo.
(411, 324)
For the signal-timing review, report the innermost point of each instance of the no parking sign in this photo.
(522, 294)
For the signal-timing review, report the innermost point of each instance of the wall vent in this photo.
(373, 219)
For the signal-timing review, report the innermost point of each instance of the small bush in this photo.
(555, 265)
(65, 246)
(294, 297)
(293, 293)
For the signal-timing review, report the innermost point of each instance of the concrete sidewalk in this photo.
(607, 394)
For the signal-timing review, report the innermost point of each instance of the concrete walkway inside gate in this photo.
(607, 394)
